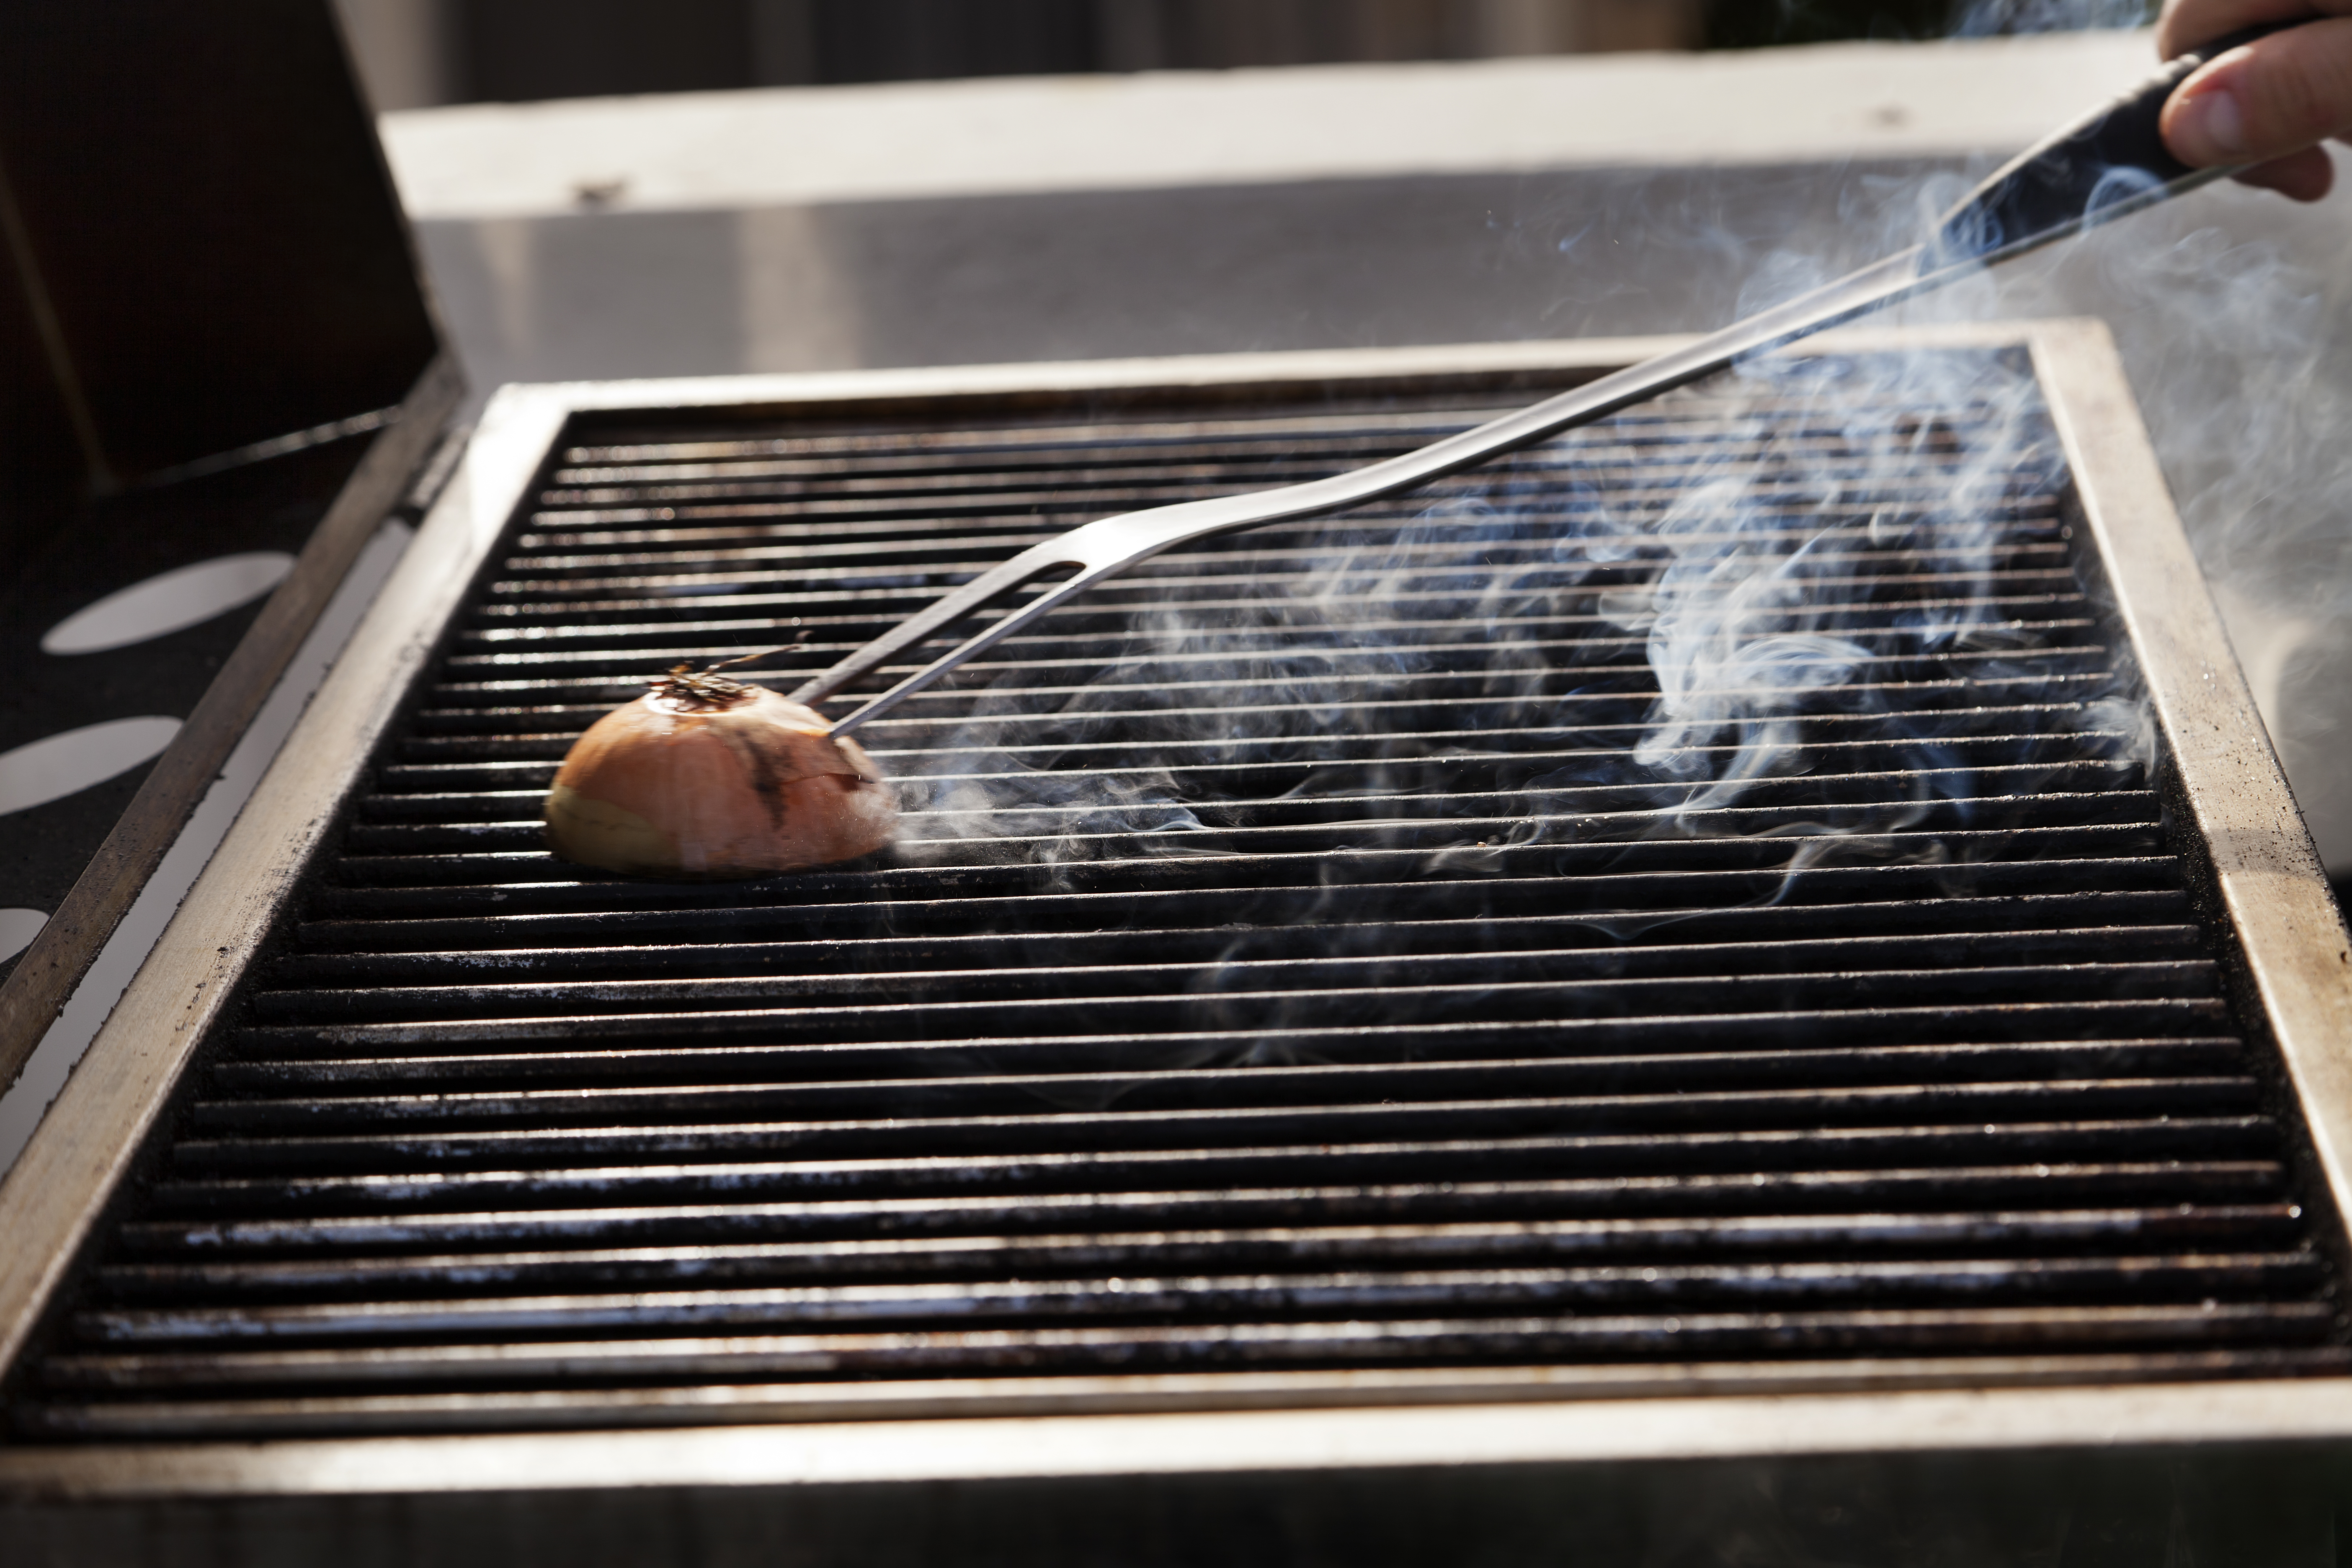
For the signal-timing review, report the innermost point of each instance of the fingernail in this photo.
(2213, 127)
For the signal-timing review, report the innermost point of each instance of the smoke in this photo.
(1982, 19)
(1621, 634)
(2247, 380)
(2230, 308)
(1215, 695)
(2233, 317)
(1265, 689)
(1875, 567)
(1750, 23)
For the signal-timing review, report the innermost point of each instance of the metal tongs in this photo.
(2110, 163)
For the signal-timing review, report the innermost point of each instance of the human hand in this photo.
(2269, 103)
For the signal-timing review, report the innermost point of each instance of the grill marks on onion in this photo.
(707, 778)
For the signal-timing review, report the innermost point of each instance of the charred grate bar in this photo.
(1694, 894)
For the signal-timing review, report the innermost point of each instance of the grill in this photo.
(1325, 967)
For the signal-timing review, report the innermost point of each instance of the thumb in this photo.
(2268, 99)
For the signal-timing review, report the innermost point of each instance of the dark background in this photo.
(515, 50)
(200, 249)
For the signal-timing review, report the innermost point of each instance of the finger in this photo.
(2306, 175)
(2275, 95)
(2189, 22)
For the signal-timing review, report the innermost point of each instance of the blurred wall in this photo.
(418, 53)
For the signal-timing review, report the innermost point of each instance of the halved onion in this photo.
(704, 777)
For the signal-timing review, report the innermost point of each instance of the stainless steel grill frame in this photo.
(2294, 966)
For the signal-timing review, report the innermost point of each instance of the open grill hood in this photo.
(1291, 1001)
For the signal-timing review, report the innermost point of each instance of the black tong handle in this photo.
(2109, 163)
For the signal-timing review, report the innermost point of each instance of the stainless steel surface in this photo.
(135, 1064)
(1689, 1478)
(1406, 1434)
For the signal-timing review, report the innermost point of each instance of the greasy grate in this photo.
(1691, 894)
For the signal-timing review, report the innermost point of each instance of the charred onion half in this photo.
(704, 777)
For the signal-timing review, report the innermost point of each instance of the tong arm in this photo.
(1109, 545)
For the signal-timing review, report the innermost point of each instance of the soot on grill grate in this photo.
(1689, 893)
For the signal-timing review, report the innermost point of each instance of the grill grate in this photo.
(1324, 956)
